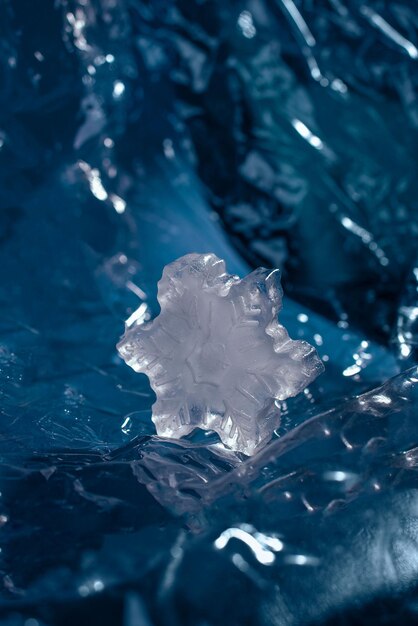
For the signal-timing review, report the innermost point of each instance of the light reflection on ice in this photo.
(262, 546)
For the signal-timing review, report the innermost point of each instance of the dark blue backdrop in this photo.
(274, 132)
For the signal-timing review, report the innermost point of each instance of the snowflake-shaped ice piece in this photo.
(216, 356)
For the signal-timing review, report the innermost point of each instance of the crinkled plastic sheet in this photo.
(271, 131)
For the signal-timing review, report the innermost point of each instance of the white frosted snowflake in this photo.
(216, 356)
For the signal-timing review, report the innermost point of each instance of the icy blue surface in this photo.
(268, 132)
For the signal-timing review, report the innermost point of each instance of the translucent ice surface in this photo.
(216, 356)
(271, 133)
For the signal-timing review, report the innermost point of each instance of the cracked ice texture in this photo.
(216, 356)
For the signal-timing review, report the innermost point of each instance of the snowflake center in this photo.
(208, 362)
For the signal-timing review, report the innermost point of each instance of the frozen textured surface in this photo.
(216, 356)
(272, 132)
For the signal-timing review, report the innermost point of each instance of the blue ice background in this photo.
(277, 133)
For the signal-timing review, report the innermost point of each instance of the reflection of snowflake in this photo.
(216, 356)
